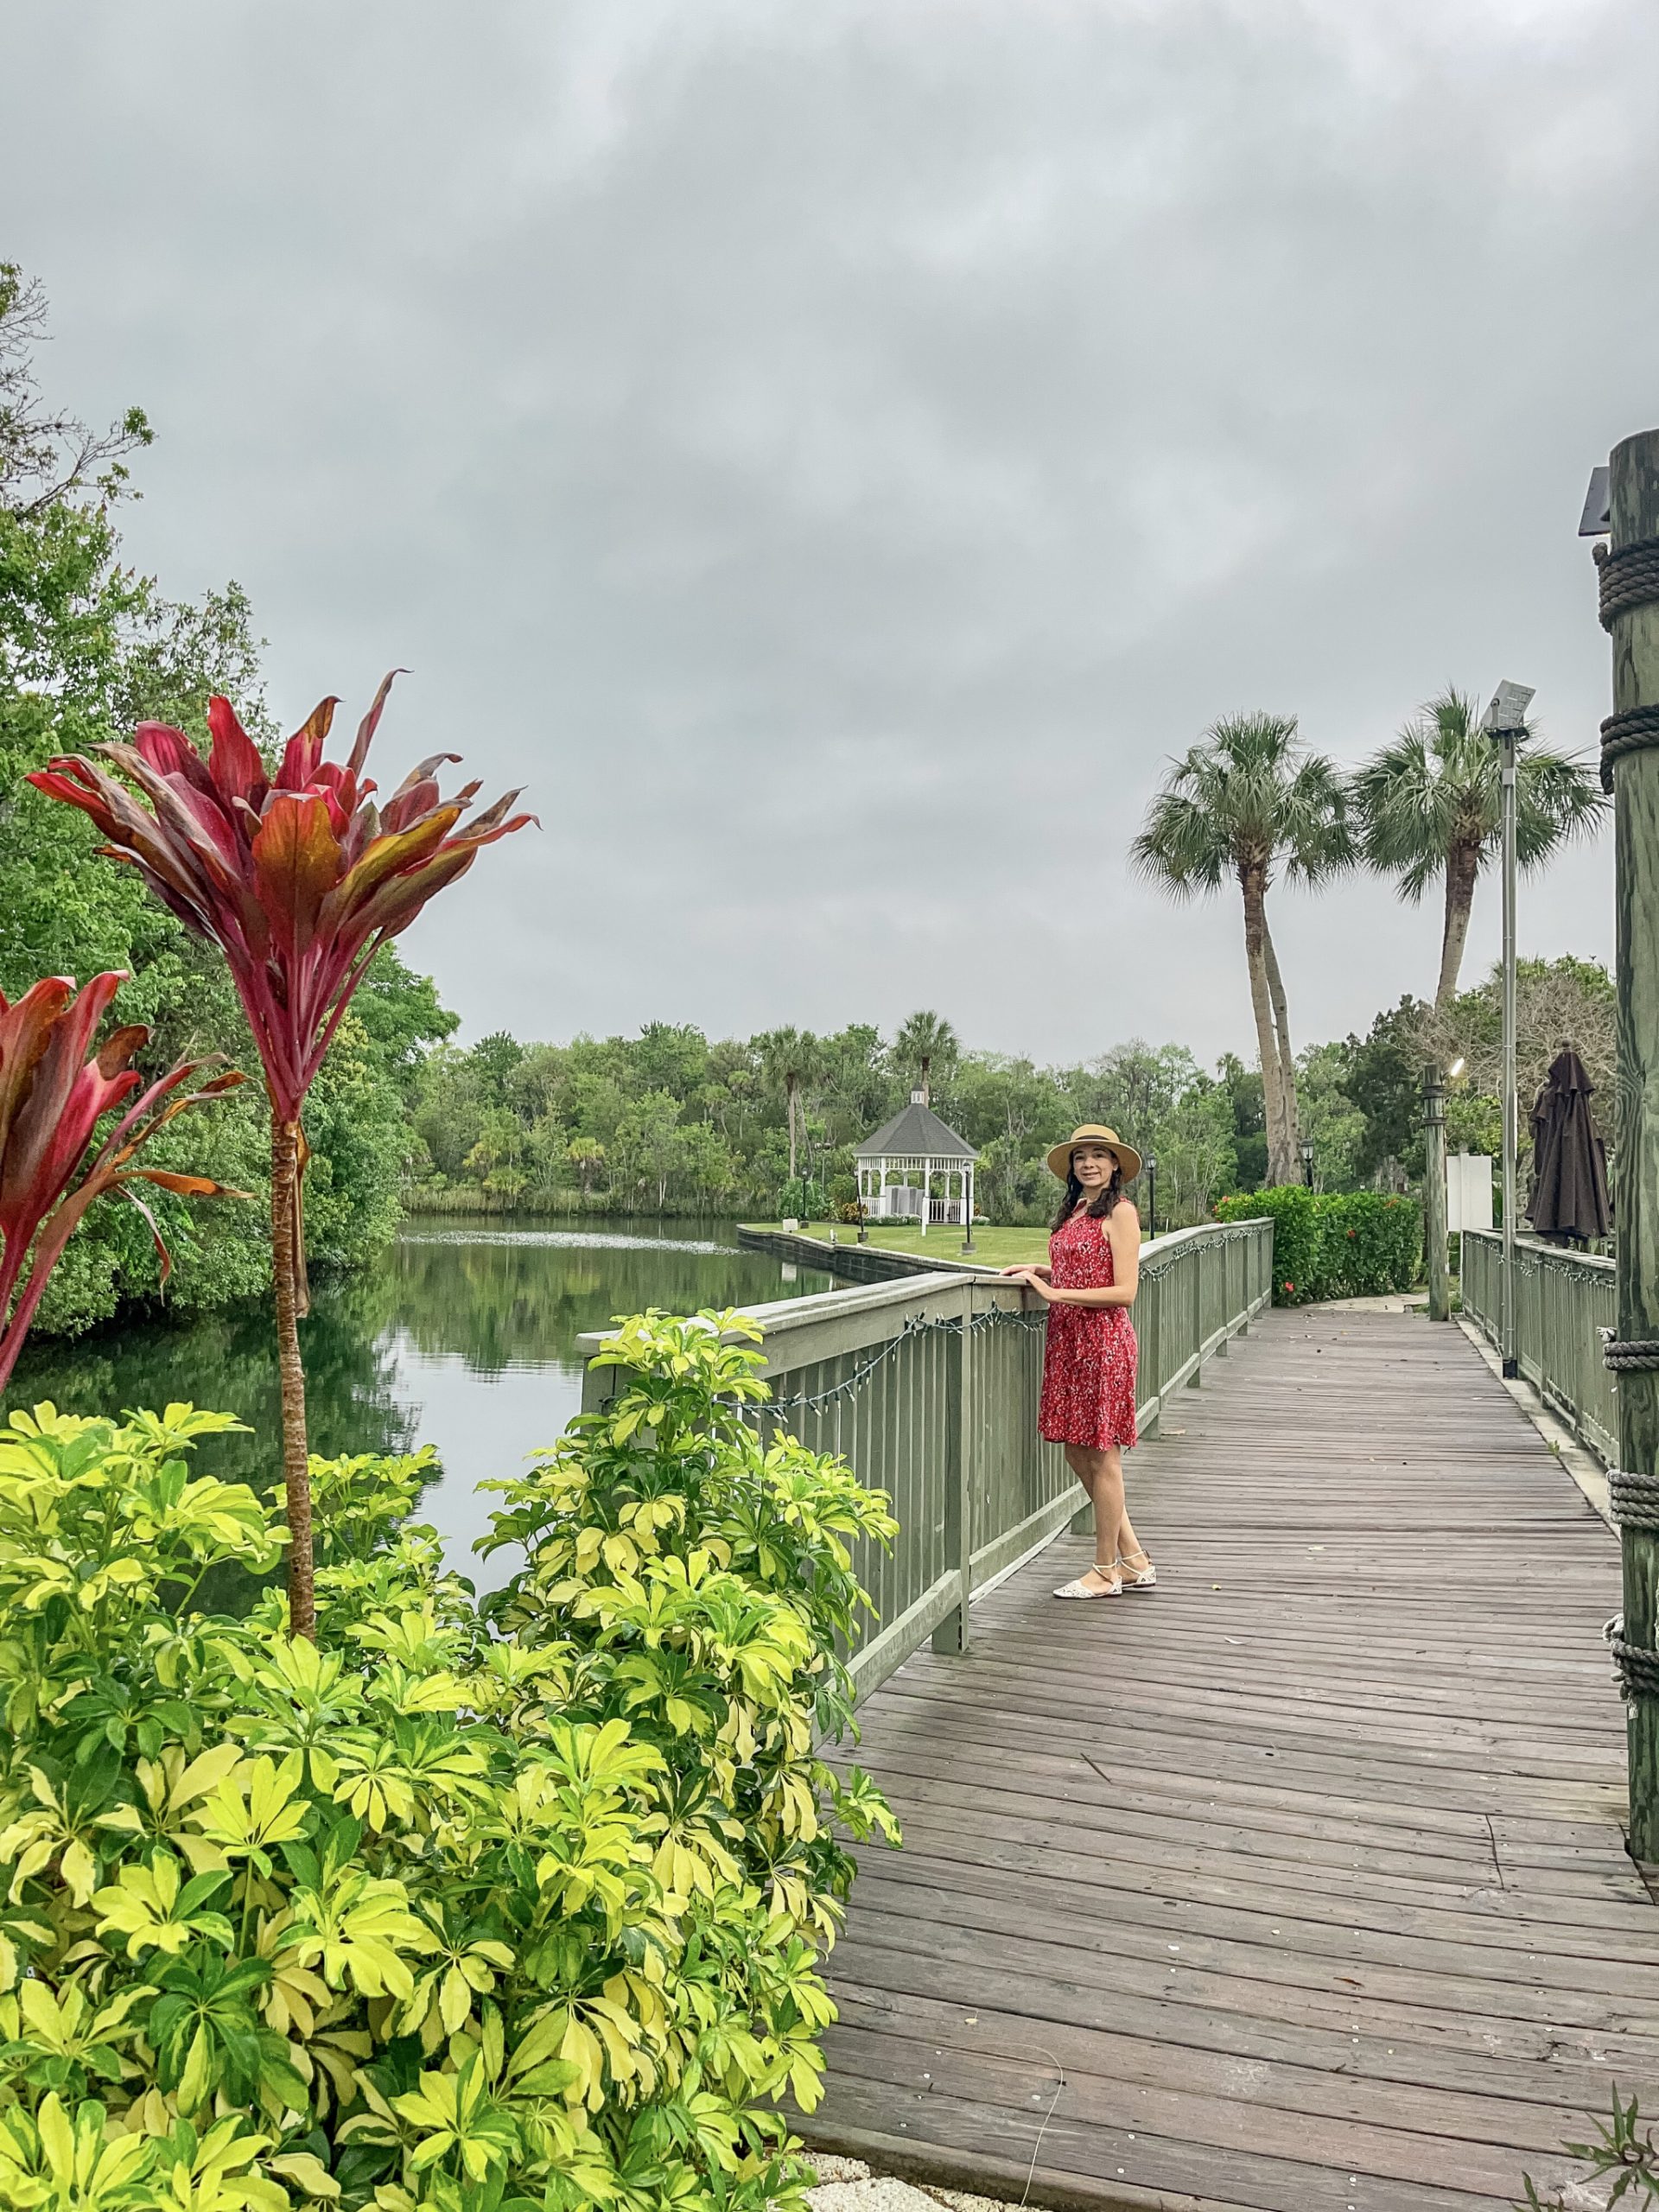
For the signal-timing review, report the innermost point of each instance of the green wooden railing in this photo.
(928, 1389)
(1562, 1302)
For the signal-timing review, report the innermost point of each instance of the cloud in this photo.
(834, 456)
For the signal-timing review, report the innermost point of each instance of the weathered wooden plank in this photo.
(1315, 1876)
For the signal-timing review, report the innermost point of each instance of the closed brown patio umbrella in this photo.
(1569, 1166)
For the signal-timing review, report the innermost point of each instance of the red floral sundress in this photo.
(1089, 1357)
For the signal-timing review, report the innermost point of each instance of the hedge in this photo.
(1334, 1244)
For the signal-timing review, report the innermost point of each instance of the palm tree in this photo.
(587, 1156)
(1428, 809)
(788, 1056)
(925, 1037)
(1249, 801)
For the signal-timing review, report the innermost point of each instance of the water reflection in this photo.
(462, 1337)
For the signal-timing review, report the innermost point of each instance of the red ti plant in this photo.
(55, 1090)
(298, 878)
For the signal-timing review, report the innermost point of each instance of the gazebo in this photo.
(897, 1166)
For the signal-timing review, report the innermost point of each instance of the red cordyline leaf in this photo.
(52, 1095)
(298, 878)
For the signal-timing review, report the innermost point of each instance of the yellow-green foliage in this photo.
(478, 1909)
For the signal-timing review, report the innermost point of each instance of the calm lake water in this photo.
(460, 1337)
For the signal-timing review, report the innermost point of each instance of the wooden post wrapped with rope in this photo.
(1628, 566)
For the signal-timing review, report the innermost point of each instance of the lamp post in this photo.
(1307, 1161)
(1504, 720)
(1151, 1195)
(1440, 1283)
(967, 1210)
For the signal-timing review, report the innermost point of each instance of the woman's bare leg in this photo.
(1101, 1474)
(1128, 1544)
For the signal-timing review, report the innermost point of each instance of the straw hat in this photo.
(1059, 1159)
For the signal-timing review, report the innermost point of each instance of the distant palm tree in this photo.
(1428, 805)
(925, 1037)
(788, 1056)
(587, 1155)
(1249, 801)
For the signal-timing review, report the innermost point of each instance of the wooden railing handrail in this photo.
(786, 1317)
(1563, 1300)
(1545, 1250)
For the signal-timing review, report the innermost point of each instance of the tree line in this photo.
(671, 1122)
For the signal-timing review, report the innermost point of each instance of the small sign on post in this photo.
(1468, 1192)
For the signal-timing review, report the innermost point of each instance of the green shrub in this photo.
(509, 1908)
(1334, 1244)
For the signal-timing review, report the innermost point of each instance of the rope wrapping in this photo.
(1634, 1498)
(1638, 1668)
(1630, 1355)
(1629, 578)
(1632, 730)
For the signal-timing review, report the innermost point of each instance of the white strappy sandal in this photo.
(1144, 1577)
(1080, 1587)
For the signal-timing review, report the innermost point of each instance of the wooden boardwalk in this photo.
(1298, 1884)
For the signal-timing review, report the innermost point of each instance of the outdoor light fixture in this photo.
(1505, 720)
(1151, 1165)
(1307, 1161)
(1597, 520)
(1507, 716)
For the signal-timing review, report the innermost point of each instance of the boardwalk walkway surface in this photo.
(1298, 1884)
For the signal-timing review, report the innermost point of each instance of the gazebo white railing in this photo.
(916, 1169)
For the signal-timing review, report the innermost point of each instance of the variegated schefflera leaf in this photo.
(465, 1906)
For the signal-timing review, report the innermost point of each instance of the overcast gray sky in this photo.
(833, 454)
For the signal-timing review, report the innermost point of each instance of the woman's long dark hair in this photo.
(1098, 1208)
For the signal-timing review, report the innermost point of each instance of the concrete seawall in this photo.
(852, 1261)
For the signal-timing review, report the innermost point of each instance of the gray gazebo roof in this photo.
(915, 1133)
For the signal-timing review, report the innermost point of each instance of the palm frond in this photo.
(1437, 782)
(1558, 801)
(1317, 835)
(1179, 849)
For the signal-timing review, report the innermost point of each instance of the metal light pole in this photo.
(1505, 719)
(1152, 1196)
(1439, 1279)
(1307, 1161)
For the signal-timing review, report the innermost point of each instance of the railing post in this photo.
(1194, 1259)
(1434, 1252)
(952, 1633)
(1633, 495)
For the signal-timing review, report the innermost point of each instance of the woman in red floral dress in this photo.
(1088, 1402)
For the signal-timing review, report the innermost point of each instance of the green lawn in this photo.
(993, 1248)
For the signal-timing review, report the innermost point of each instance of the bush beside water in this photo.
(509, 1907)
(1335, 1244)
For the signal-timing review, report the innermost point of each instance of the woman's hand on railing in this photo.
(1031, 1270)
